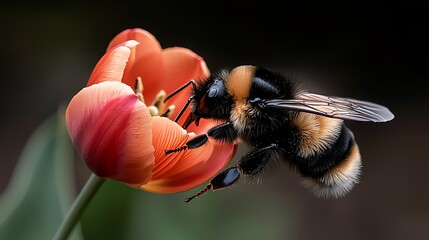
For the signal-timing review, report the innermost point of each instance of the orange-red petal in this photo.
(183, 170)
(160, 69)
(145, 61)
(195, 175)
(140, 35)
(180, 65)
(112, 130)
(111, 66)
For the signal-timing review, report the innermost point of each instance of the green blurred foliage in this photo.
(121, 212)
(42, 187)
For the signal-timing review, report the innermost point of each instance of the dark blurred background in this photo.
(372, 50)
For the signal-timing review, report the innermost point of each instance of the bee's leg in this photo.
(250, 164)
(222, 132)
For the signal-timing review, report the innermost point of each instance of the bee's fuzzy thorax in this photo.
(239, 82)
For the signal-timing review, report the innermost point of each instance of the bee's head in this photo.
(211, 100)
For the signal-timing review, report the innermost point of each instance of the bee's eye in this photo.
(207, 102)
(212, 92)
(217, 89)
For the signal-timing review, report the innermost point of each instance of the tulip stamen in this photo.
(159, 100)
(138, 89)
(160, 105)
(140, 96)
(153, 111)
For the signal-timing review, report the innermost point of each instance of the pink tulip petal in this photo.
(112, 130)
(111, 66)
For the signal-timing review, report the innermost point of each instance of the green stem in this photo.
(88, 191)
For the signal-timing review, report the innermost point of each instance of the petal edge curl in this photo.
(112, 65)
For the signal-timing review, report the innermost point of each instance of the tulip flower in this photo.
(121, 126)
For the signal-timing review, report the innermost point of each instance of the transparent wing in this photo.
(335, 107)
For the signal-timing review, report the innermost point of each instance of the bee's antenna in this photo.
(208, 187)
(180, 89)
(184, 108)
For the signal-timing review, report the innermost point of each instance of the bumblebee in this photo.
(279, 122)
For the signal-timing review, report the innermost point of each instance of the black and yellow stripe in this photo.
(326, 154)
